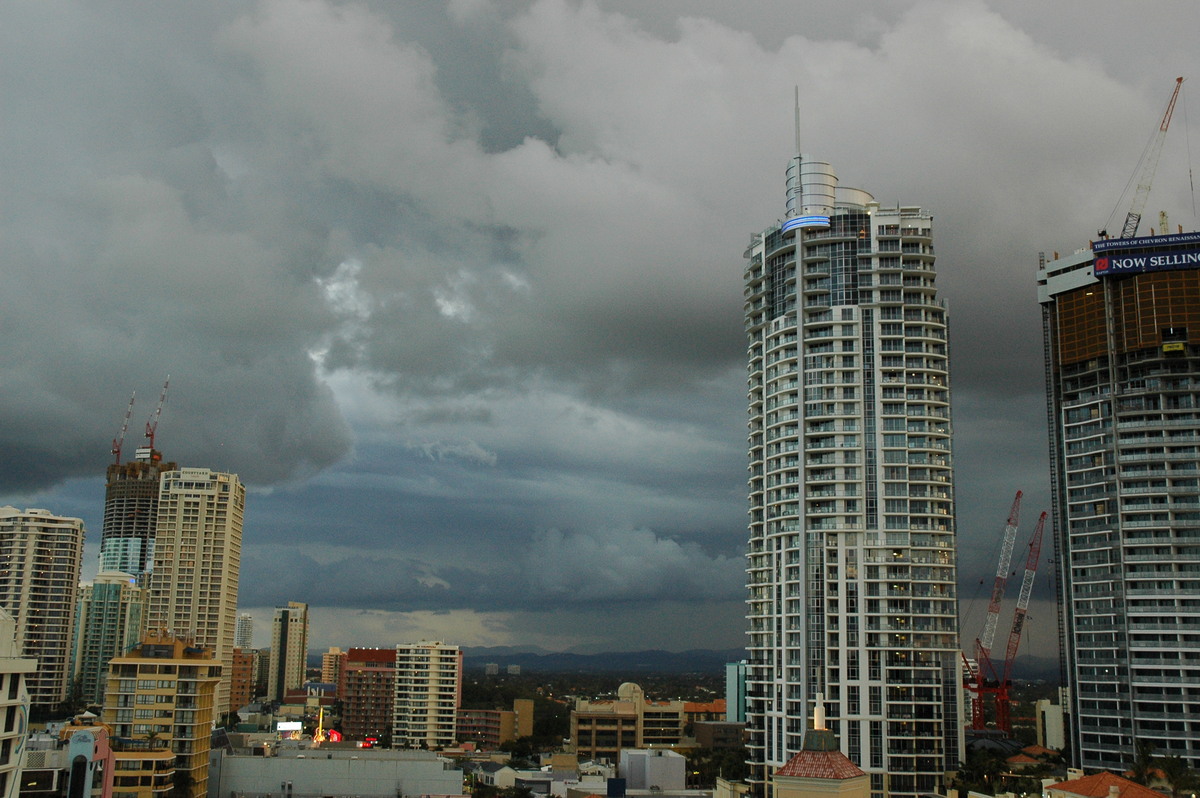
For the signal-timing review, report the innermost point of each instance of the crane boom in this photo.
(1006, 550)
(1150, 166)
(119, 441)
(152, 424)
(1031, 564)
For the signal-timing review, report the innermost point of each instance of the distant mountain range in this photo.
(1027, 667)
(697, 661)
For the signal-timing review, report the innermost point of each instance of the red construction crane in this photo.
(982, 673)
(152, 424)
(119, 441)
(1149, 167)
(1014, 638)
(1006, 550)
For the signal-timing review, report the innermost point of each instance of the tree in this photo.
(1142, 765)
(981, 772)
(1177, 773)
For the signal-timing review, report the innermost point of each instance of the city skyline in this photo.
(446, 311)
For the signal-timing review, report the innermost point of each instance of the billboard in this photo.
(1145, 242)
(1114, 264)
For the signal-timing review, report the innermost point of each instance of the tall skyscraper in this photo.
(289, 649)
(41, 556)
(197, 559)
(851, 558)
(131, 513)
(109, 622)
(428, 692)
(1121, 325)
(243, 631)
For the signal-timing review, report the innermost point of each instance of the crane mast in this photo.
(1003, 706)
(1149, 168)
(1006, 550)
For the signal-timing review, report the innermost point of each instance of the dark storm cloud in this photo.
(457, 287)
(599, 568)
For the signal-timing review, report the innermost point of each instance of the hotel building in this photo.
(851, 558)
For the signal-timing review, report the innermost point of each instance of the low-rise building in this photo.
(1099, 785)
(653, 769)
(313, 772)
(720, 734)
(1051, 732)
(601, 729)
(489, 728)
(820, 770)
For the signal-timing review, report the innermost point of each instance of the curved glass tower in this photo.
(851, 558)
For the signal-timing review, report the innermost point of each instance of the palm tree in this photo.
(1143, 764)
(1177, 773)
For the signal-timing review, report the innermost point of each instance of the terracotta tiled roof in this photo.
(1096, 786)
(821, 765)
(1021, 759)
(717, 705)
(1038, 750)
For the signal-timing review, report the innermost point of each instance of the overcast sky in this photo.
(456, 287)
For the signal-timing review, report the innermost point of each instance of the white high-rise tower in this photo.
(851, 559)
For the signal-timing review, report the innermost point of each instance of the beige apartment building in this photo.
(428, 692)
(601, 729)
(165, 690)
(197, 559)
(41, 555)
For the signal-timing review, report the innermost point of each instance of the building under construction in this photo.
(1121, 325)
(131, 502)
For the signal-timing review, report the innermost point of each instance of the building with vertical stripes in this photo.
(1121, 327)
(851, 553)
(197, 561)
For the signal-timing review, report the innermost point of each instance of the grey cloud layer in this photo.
(440, 280)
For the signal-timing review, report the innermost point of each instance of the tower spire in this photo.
(797, 121)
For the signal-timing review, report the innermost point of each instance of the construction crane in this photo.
(119, 441)
(1006, 550)
(984, 680)
(1003, 720)
(981, 673)
(152, 424)
(1149, 166)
